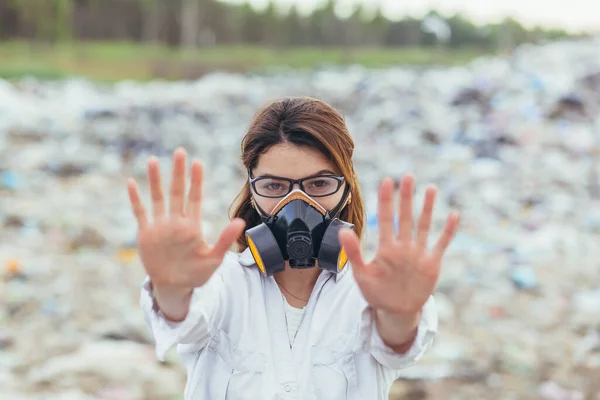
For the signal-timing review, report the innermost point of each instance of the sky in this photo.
(572, 15)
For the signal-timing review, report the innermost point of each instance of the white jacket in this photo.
(235, 346)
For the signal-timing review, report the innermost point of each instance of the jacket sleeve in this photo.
(372, 341)
(208, 306)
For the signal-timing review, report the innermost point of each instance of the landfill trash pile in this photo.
(513, 143)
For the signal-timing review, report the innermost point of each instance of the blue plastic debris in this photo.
(524, 278)
(10, 180)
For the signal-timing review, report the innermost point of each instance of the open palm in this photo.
(403, 273)
(172, 247)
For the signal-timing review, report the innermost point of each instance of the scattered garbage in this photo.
(5, 341)
(10, 180)
(524, 278)
(13, 267)
(553, 391)
(513, 143)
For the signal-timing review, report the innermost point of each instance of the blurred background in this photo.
(497, 103)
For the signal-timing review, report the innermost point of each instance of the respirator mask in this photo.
(300, 231)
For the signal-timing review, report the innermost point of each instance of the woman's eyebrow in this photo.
(321, 172)
(325, 172)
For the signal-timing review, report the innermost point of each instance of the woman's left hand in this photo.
(403, 274)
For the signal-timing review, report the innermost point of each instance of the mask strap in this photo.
(261, 213)
(335, 213)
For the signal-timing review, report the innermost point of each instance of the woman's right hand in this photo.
(172, 248)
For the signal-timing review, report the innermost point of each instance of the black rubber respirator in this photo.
(300, 231)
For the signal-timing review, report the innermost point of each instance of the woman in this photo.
(284, 318)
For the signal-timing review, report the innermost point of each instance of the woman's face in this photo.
(294, 162)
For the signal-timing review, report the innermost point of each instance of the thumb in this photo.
(351, 245)
(229, 235)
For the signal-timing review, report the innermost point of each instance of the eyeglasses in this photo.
(314, 186)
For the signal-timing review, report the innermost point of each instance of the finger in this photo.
(425, 218)
(136, 204)
(406, 213)
(447, 235)
(195, 195)
(385, 214)
(229, 235)
(351, 246)
(177, 191)
(156, 191)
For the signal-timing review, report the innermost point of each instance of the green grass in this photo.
(112, 61)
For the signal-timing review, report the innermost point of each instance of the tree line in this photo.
(192, 23)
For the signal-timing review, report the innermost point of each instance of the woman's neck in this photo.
(296, 285)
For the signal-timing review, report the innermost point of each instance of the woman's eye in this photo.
(272, 188)
(321, 183)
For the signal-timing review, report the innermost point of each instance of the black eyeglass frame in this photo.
(340, 180)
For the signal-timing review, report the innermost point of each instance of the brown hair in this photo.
(302, 121)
